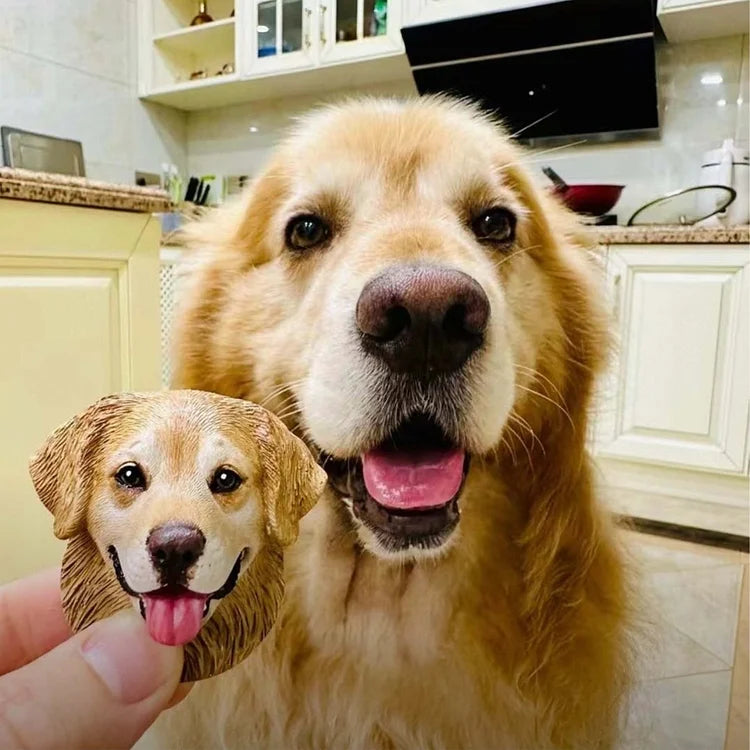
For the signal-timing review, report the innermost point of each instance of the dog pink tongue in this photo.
(413, 479)
(174, 619)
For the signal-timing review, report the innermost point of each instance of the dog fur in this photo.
(514, 635)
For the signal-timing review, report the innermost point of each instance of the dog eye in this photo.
(306, 231)
(496, 224)
(131, 476)
(224, 480)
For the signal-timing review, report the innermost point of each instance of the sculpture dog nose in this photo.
(422, 320)
(173, 549)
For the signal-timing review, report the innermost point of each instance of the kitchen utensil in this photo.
(592, 200)
(42, 153)
(557, 181)
(202, 16)
(203, 196)
(729, 166)
(192, 188)
(681, 206)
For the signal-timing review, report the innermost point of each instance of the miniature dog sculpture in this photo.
(179, 504)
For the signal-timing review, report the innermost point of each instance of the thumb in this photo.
(100, 689)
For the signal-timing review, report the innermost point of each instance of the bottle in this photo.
(379, 18)
(202, 16)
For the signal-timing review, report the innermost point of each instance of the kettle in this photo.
(729, 166)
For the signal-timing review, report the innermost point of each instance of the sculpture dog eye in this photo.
(131, 476)
(224, 480)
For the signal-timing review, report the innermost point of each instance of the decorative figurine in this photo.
(178, 504)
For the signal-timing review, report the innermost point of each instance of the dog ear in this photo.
(292, 480)
(64, 469)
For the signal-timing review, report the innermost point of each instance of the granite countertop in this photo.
(22, 184)
(672, 235)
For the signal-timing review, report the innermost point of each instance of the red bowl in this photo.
(593, 200)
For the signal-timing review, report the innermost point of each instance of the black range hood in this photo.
(553, 70)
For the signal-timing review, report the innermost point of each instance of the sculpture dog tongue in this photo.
(174, 619)
(178, 506)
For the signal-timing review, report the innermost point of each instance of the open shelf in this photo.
(205, 40)
(232, 89)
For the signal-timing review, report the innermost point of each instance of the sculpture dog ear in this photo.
(64, 469)
(292, 480)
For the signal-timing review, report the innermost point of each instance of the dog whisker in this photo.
(550, 400)
(517, 251)
(523, 444)
(279, 389)
(531, 124)
(523, 423)
(524, 160)
(537, 374)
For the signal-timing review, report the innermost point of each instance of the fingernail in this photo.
(130, 664)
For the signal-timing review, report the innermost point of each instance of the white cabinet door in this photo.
(358, 29)
(430, 11)
(281, 35)
(678, 391)
(79, 318)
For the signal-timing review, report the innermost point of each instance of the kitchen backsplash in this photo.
(695, 117)
(703, 99)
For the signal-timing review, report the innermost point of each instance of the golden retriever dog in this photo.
(178, 504)
(395, 287)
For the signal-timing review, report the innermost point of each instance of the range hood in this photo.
(553, 70)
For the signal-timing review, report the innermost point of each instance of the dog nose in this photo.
(422, 319)
(173, 548)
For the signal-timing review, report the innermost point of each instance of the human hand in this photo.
(100, 688)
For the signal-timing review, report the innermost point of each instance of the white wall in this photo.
(68, 68)
(219, 141)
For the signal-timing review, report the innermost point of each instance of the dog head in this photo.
(175, 502)
(400, 291)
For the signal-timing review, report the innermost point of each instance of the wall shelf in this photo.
(220, 91)
(204, 40)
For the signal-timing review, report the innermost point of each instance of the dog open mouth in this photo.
(174, 614)
(405, 490)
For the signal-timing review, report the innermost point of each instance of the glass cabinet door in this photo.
(282, 29)
(352, 29)
(357, 19)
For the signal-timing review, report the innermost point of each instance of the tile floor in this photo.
(693, 688)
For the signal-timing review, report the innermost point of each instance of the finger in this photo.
(102, 688)
(31, 619)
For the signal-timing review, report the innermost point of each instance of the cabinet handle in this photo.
(306, 23)
(323, 39)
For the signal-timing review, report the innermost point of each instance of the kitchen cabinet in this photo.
(79, 318)
(359, 29)
(676, 395)
(280, 36)
(248, 56)
(432, 11)
(685, 20)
